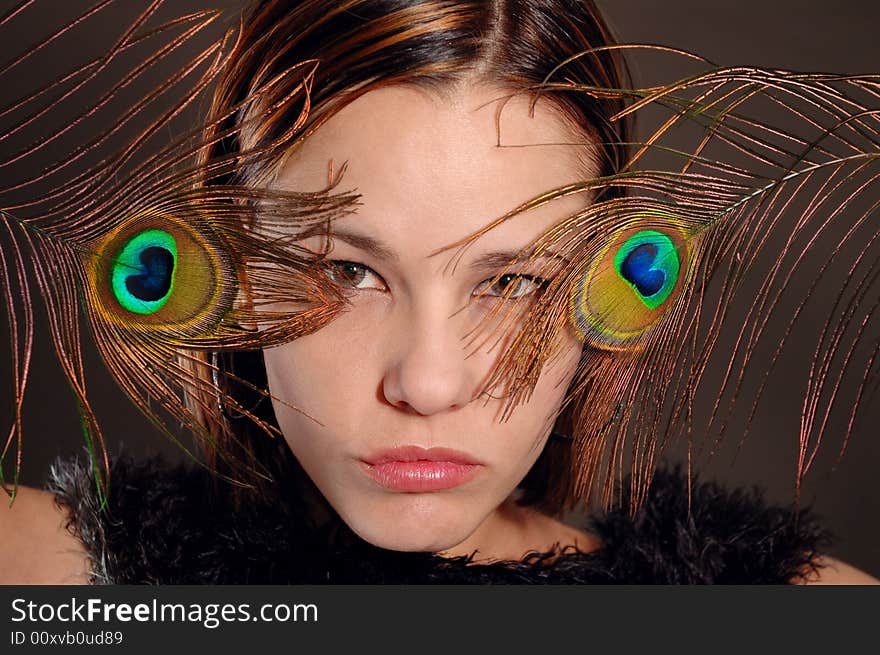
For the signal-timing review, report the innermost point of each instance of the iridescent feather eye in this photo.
(142, 274)
(159, 273)
(630, 286)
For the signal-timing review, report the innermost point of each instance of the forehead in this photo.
(430, 165)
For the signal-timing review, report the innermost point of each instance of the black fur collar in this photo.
(163, 527)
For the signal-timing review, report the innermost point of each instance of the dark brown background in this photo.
(804, 35)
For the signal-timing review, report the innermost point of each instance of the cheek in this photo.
(311, 395)
(308, 393)
(322, 373)
(558, 373)
(523, 435)
(554, 382)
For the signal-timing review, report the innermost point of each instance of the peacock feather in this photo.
(145, 245)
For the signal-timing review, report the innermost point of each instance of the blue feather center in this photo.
(638, 269)
(154, 280)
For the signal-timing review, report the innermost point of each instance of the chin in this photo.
(414, 541)
(417, 530)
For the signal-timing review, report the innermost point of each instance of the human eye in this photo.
(353, 275)
(510, 286)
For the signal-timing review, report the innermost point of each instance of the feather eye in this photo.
(631, 284)
(161, 274)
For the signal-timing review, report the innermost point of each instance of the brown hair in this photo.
(354, 46)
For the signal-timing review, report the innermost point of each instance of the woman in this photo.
(448, 392)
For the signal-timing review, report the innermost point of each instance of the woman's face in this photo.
(408, 451)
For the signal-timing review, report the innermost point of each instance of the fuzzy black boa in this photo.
(163, 527)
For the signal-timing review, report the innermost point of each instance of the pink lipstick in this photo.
(413, 469)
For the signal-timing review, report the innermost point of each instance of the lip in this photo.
(413, 469)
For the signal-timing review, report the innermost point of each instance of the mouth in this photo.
(413, 469)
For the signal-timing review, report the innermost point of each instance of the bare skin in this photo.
(37, 549)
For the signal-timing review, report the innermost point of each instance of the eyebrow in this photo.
(360, 241)
(379, 250)
(502, 258)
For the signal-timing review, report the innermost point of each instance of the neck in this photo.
(512, 531)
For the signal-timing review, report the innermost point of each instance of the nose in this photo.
(428, 371)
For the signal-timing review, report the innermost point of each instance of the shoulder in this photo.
(38, 548)
(830, 571)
